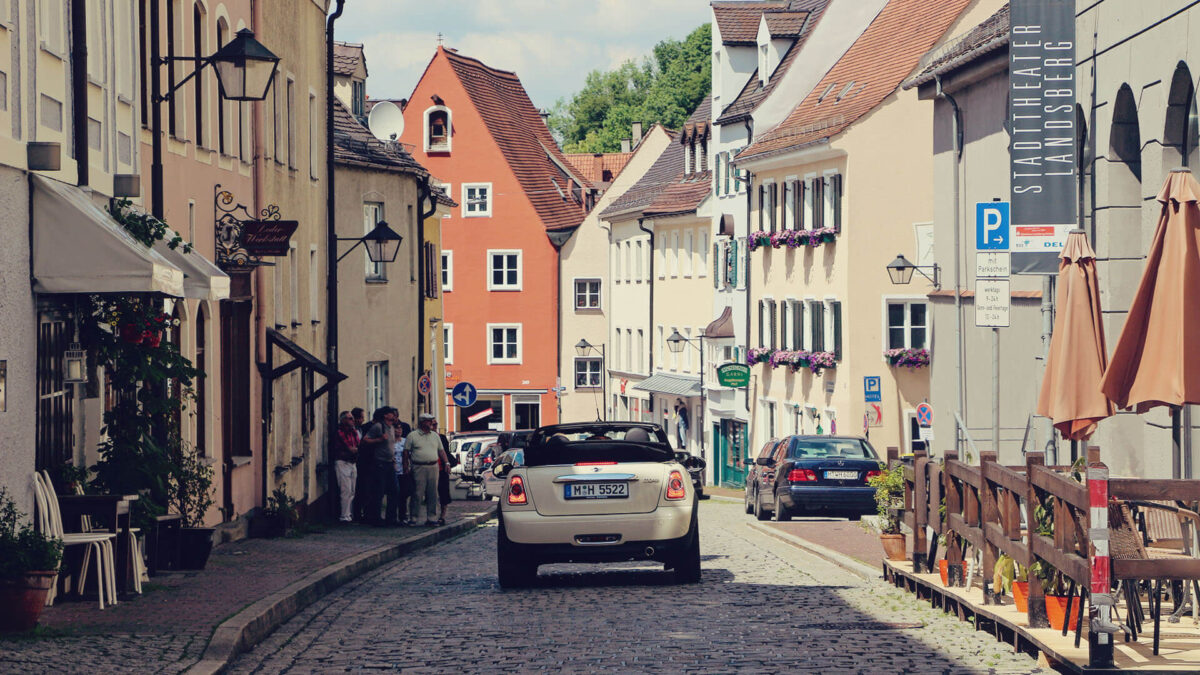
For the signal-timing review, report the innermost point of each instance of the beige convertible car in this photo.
(597, 492)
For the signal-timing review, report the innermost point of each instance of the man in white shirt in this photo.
(424, 450)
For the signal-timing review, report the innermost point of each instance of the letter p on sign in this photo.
(992, 226)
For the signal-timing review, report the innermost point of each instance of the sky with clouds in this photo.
(551, 45)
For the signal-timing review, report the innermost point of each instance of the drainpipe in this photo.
(79, 106)
(650, 312)
(331, 263)
(958, 317)
(749, 206)
(424, 191)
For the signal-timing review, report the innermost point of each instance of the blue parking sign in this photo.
(872, 389)
(992, 226)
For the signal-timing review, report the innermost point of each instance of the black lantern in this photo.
(383, 243)
(583, 347)
(901, 271)
(244, 68)
(676, 342)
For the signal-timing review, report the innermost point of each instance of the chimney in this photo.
(625, 145)
(545, 115)
(637, 134)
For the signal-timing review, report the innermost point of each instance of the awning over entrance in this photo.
(78, 248)
(202, 279)
(675, 385)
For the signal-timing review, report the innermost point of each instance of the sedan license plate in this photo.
(596, 490)
(841, 475)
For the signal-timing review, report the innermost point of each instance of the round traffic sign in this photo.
(464, 394)
(424, 384)
(925, 415)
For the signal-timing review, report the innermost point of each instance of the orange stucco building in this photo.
(475, 129)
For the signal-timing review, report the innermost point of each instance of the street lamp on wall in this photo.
(382, 243)
(901, 272)
(675, 343)
(583, 348)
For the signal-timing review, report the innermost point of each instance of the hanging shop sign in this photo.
(268, 237)
(1043, 149)
(243, 240)
(733, 375)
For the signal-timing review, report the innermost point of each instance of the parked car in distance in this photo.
(695, 466)
(816, 474)
(481, 460)
(754, 475)
(596, 492)
(493, 484)
(461, 445)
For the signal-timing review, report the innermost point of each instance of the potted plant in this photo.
(28, 566)
(889, 500)
(191, 497)
(819, 361)
(278, 516)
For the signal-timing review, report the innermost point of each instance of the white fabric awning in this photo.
(79, 248)
(202, 279)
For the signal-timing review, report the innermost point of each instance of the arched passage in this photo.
(1180, 130)
(1119, 225)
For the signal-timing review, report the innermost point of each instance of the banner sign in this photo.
(733, 375)
(268, 237)
(1042, 152)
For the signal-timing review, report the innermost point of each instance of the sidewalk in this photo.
(169, 627)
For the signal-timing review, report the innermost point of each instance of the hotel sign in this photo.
(1042, 152)
(733, 375)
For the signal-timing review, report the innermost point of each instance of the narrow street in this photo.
(762, 605)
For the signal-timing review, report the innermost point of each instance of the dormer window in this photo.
(358, 98)
(764, 72)
(687, 159)
(438, 131)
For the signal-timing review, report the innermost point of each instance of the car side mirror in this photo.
(500, 469)
(699, 462)
(765, 461)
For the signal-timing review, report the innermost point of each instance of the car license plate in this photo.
(596, 490)
(841, 475)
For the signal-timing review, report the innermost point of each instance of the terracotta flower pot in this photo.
(131, 333)
(895, 546)
(1056, 612)
(22, 600)
(1020, 593)
(944, 571)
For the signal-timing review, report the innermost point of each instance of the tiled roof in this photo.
(524, 140)
(738, 19)
(874, 66)
(354, 145)
(754, 92)
(988, 36)
(444, 199)
(666, 170)
(592, 166)
(682, 196)
(697, 124)
(785, 24)
(347, 57)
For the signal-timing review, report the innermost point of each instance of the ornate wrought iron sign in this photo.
(242, 239)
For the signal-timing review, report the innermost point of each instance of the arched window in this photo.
(1180, 129)
(1124, 168)
(201, 364)
(438, 131)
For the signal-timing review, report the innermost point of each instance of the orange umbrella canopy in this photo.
(1157, 359)
(1071, 393)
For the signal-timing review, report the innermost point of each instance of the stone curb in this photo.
(842, 560)
(250, 626)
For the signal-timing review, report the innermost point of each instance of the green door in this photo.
(732, 457)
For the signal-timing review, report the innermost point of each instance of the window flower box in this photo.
(912, 359)
(819, 361)
(759, 238)
(758, 355)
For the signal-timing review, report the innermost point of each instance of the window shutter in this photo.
(818, 203)
(801, 221)
(774, 205)
(836, 308)
(816, 309)
(783, 325)
(837, 202)
(731, 265)
(762, 194)
(762, 312)
(716, 263)
(797, 325)
(774, 343)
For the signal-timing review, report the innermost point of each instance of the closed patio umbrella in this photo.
(1071, 393)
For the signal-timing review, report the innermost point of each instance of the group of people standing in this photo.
(386, 461)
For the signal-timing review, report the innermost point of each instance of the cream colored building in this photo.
(589, 289)
(850, 165)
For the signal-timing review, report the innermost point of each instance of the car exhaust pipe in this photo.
(649, 551)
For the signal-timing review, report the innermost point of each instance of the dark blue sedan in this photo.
(809, 475)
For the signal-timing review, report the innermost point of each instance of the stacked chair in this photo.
(49, 522)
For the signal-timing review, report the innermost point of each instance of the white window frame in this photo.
(466, 202)
(637, 260)
(827, 323)
(702, 252)
(448, 342)
(907, 301)
(449, 129)
(374, 271)
(447, 270)
(789, 203)
(377, 385)
(628, 261)
(491, 286)
(587, 362)
(660, 254)
(689, 251)
(827, 216)
(314, 307)
(808, 206)
(488, 343)
(575, 293)
(641, 351)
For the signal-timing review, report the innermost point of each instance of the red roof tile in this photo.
(517, 127)
(593, 167)
(698, 123)
(347, 57)
(754, 93)
(875, 65)
(354, 145)
(738, 20)
(785, 24)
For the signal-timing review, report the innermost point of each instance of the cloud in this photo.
(551, 44)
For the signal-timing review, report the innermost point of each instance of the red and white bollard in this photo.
(1101, 628)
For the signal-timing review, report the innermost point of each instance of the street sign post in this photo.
(872, 389)
(992, 226)
(464, 394)
(925, 415)
(992, 301)
(424, 385)
(993, 264)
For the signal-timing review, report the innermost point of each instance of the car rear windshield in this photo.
(852, 448)
(600, 444)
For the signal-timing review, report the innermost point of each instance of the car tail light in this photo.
(675, 488)
(801, 476)
(594, 463)
(516, 491)
(870, 474)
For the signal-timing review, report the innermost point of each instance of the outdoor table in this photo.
(112, 511)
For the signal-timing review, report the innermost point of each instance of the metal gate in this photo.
(55, 440)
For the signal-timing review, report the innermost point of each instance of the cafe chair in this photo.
(49, 522)
(135, 548)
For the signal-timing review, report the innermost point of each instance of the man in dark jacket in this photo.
(377, 444)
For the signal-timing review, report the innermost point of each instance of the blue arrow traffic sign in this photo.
(464, 394)
(992, 225)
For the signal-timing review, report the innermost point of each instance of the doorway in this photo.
(527, 412)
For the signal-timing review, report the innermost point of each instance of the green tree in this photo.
(663, 89)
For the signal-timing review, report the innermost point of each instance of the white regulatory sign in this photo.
(992, 301)
(993, 265)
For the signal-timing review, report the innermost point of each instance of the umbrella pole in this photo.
(1176, 442)
(1186, 446)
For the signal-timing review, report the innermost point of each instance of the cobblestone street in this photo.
(762, 605)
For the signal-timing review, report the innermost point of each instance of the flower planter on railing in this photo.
(907, 358)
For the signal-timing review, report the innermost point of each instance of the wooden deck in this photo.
(1179, 649)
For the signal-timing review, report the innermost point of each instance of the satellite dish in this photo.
(386, 121)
